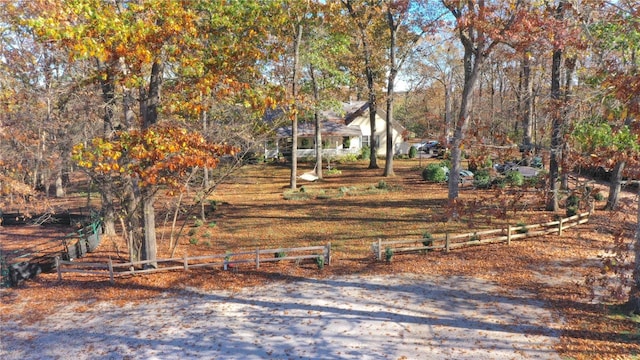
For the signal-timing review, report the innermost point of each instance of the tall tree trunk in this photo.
(527, 103)
(149, 249)
(294, 93)
(393, 72)
(59, 186)
(570, 64)
(472, 64)
(317, 122)
(369, 73)
(107, 208)
(615, 182)
(448, 116)
(615, 185)
(634, 297)
(556, 137)
(150, 102)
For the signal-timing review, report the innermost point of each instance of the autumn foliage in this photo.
(155, 156)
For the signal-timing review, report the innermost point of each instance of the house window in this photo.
(366, 141)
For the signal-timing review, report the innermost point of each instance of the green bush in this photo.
(482, 179)
(198, 223)
(499, 182)
(445, 163)
(193, 241)
(427, 239)
(514, 178)
(382, 185)
(365, 152)
(280, 254)
(388, 254)
(572, 204)
(413, 152)
(320, 262)
(435, 173)
(534, 181)
(598, 196)
(348, 158)
(522, 228)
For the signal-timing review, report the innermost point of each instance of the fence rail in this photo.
(448, 241)
(322, 254)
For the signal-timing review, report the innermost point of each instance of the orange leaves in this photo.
(159, 155)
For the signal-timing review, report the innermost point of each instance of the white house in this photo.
(342, 133)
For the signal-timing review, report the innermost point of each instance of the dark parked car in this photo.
(427, 146)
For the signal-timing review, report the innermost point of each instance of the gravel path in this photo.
(374, 317)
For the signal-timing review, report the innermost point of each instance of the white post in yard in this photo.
(58, 268)
(110, 265)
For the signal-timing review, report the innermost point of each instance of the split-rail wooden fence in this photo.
(227, 261)
(446, 242)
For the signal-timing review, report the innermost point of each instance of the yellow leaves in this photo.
(160, 155)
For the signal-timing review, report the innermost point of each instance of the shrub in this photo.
(191, 232)
(280, 254)
(193, 241)
(445, 164)
(514, 178)
(213, 205)
(427, 239)
(365, 152)
(434, 173)
(598, 196)
(534, 181)
(572, 204)
(206, 235)
(382, 185)
(212, 224)
(348, 158)
(413, 152)
(482, 179)
(522, 228)
(320, 262)
(499, 182)
(198, 223)
(207, 244)
(388, 254)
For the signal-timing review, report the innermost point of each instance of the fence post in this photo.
(446, 242)
(379, 249)
(58, 268)
(509, 234)
(110, 265)
(560, 226)
(327, 254)
(185, 262)
(257, 258)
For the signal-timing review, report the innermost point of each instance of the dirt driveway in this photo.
(351, 317)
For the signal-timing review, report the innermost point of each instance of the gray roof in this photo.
(328, 128)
